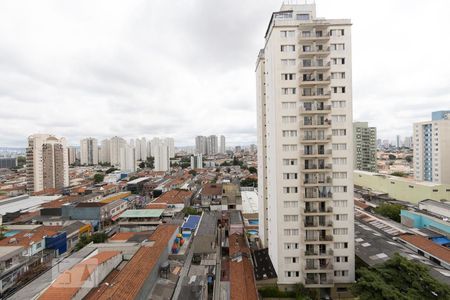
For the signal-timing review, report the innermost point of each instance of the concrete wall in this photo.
(418, 220)
(401, 188)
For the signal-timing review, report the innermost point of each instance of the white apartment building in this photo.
(222, 147)
(143, 150)
(431, 149)
(127, 158)
(305, 148)
(72, 156)
(212, 145)
(171, 144)
(197, 161)
(47, 163)
(89, 151)
(200, 144)
(161, 153)
(116, 143)
(105, 151)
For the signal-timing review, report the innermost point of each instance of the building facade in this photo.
(160, 151)
(305, 143)
(197, 161)
(116, 143)
(47, 163)
(431, 144)
(105, 151)
(89, 152)
(365, 146)
(200, 144)
(222, 147)
(212, 145)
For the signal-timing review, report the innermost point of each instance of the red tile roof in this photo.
(131, 278)
(212, 189)
(25, 237)
(69, 283)
(242, 280)
(428, 246)
(174, 197)
(122, 236)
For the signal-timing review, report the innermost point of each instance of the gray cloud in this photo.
(183, 68)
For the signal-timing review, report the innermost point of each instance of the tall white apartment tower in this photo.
(305, 148)
(222, 144)
(161, 153)
(105, 151)
(116, 143)
(89, 151)
(47, 163)
(212, 145)
(431, 149)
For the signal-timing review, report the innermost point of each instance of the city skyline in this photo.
(109, 88)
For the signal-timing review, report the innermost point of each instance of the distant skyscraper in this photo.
(105, 151)
(143, 151)
(127, 156)
(171, 144)
(196, 161)
(116, 143)
(72, 157)
(47, 163)
(365, 148)
(212, 145)
(222, 148)
(200, 145)
(397, 142)
(305, 143)
(431, 149)
(89, 151)
(408, 143)
(160, 151)
(138, 149)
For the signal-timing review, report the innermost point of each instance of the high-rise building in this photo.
(222, 148)
(72, 155)
(47, 163)
(143, 151)
(89, 151)
(105, 151)
(431, 144)
(212, 145)
(197, 161)
(127, 157)
(200, 145)
(365, 147)
(305, 142)
(398, 144)
(171, 144)
(408, 143)
(138, 149)
(116, 143)
(160, 151)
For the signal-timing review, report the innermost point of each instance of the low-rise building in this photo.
(211, 195)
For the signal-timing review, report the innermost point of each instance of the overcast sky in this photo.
(182, 68)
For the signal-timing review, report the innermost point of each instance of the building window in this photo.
(340, 231)
(337, 32)
(291, 218)
(289, 133)
(302, 17)
(287, 33)
(337, 75)
(288, 76)
(289, 162)
(288, 62)
(337, 47)
(287, 48)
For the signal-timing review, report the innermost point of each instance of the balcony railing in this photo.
(316, 138)
(315, 64)
(316, 94)
(315, 108)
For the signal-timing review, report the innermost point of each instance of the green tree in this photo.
(409, 158)
(150, 162)
(193, 172)
(391, 211)
(392, 157)
(3, 229)
(110, 170)
(98, 178)
(249, 182)
(142, 164)
(252, 170)
(21, 161)
(398, 279)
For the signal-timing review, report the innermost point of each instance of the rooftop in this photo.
(128, 283)
(428, 246)
(263, 265)
(211, 189)
(142, 213)
(69, 283)
(137, 180)
(208, 224)
(174, 197)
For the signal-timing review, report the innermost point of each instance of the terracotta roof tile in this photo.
(426, 245)
(131, 278)
(69, 283)
(174, 197)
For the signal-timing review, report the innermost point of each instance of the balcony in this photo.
(316, 139)
(314, 51)
(315, 196)
(315, 109)
(320, 210)
(314, 65)
(314, 36)
(317, 168)
(315, 124)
